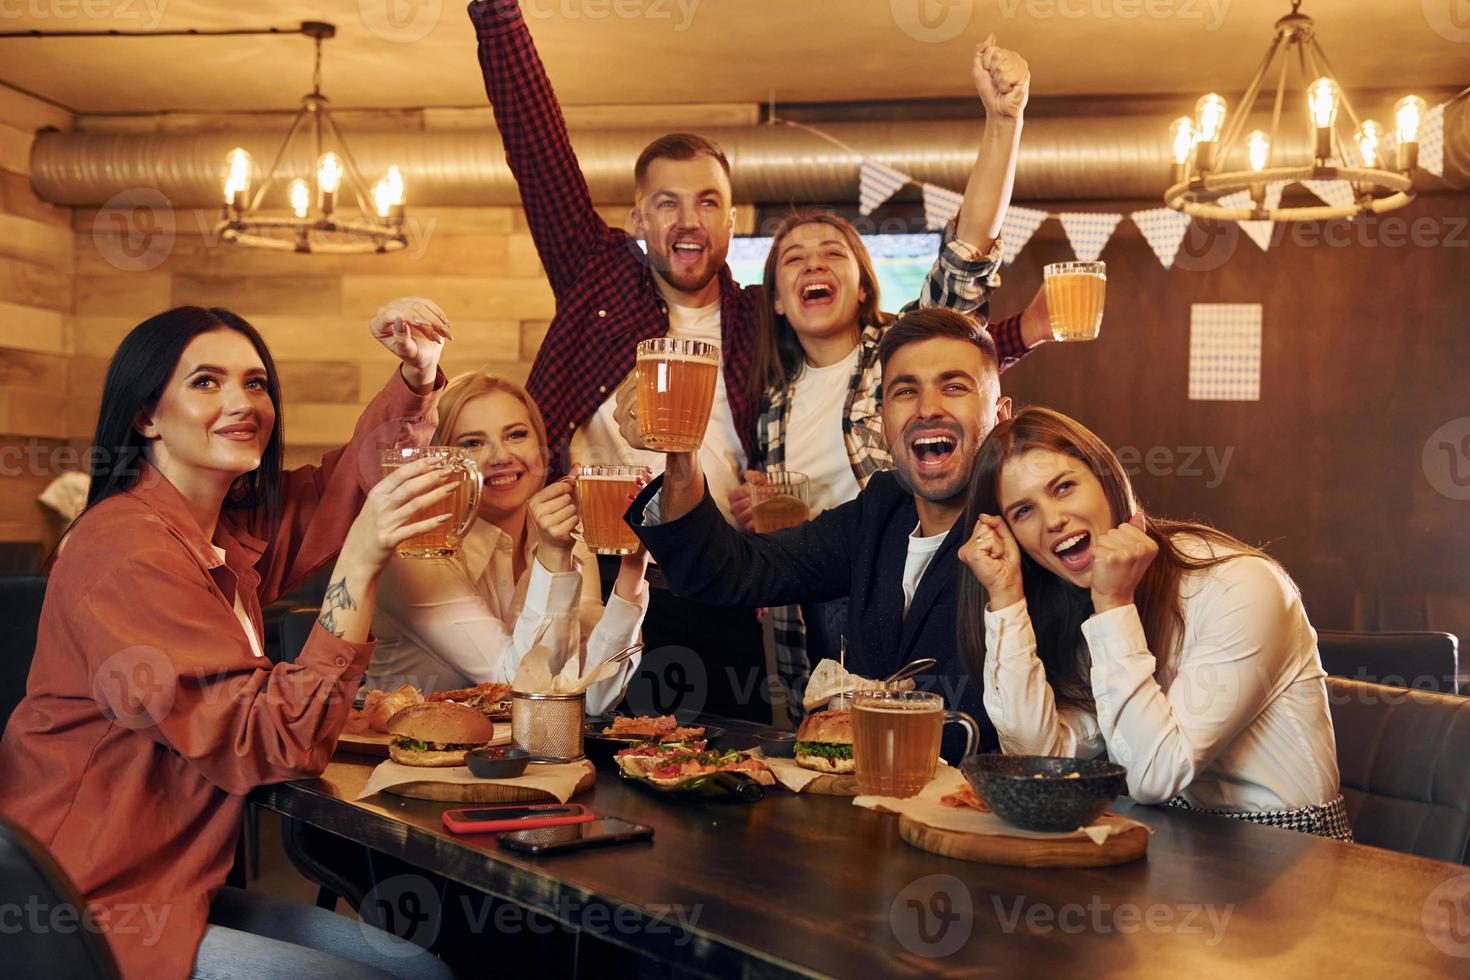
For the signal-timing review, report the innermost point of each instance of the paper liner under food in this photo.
(535, 676)
(927, 809)
(559, 781)
(792, 776)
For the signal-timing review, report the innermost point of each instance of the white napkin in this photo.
(789, 774)
(534, 676)
(559, 781)
(927, 809)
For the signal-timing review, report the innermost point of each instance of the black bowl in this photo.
(776, 744)
(1051, 794)
(496, 762)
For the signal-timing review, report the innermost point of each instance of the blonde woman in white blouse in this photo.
(519, 574)
(1178, 651)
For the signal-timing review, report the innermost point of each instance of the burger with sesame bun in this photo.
(437, 733)
(824, 742)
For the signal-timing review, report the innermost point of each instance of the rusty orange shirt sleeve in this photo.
(185, 675)
(319, 503)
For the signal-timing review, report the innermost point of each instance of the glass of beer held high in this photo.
(781, 501)
(602, 496)
(1074, 298)
(895, 740)
(676, 387)
(462, 505)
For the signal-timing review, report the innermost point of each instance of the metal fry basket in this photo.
(548, 726)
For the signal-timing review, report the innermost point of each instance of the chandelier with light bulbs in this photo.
(378, 226)
(1379, 177)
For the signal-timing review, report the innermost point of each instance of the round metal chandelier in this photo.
(1379, 178)
(377, 227)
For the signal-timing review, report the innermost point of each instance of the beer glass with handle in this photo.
(463, 504)
(895, 739)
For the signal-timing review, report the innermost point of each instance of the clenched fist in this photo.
(995, 559)
(1119, 559)
(1002, 78)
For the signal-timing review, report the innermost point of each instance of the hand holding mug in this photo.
(554, 511)
(995, 560)
(1120, 557)
(742, 504)
(389, 513)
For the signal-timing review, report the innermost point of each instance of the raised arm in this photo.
(559, 211)
(319, 503)
(967, 268)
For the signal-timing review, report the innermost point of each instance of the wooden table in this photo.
(807, 885)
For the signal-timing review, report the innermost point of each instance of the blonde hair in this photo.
(466, 387)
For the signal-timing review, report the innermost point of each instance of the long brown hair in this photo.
(1058, 608)
(779, 357)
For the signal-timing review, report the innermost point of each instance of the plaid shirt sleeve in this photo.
(558, 206)
(962, 278)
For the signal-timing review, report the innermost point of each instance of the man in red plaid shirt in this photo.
(610, 295)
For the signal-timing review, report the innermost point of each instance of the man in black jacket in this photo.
(892, 550)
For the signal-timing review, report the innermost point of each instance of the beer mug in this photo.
(895, 740)
(462, 505)
(676, 388)
(783, 501)
(1074, 298)
(602, 496)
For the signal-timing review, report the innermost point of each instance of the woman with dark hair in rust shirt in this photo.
(150, 710)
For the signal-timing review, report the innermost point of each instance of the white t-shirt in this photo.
(814, 443)
(242, 615)
(721, 455)
(921, 552)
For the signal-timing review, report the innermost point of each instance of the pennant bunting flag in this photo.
(877, 182)
(1338, 193)
(1258, 231)
(1019, 225)
(1088, 231)
(940, 206)
(1431, 141)
(1164, 230)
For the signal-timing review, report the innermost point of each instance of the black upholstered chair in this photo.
(30, 878)
(1423, 660)
(1404, 758)
(21, 596)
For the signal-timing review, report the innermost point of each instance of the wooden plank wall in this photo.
(37, 272)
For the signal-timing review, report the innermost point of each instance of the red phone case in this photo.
(456, 824)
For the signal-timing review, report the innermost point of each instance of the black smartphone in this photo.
(572, 837)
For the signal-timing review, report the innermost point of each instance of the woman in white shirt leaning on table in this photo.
(519, 574)
(1182, 653)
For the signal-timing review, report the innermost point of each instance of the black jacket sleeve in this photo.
(702, 557)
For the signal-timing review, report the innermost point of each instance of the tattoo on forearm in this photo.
(337, 598)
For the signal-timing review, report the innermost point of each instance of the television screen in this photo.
(901, 262)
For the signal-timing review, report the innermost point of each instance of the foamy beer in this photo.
(676, 387)
(1074, 298)
(461, 505)
(895, 740)
(602, 495)
(781, 502)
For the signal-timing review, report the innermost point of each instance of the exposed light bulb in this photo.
(1258, 148)
(1370, 142)
(329, 173)
(1407, 114)
(388, 192)
(300, 197)
(1209, 117)
(237, 182)
(1181, 131)
(1322, 100)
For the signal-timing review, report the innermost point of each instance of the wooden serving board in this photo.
(484, 791)
(1075, 850)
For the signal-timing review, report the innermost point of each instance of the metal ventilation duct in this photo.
(1073, 158)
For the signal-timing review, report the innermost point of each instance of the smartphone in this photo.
(597, 833)
(515, 816)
